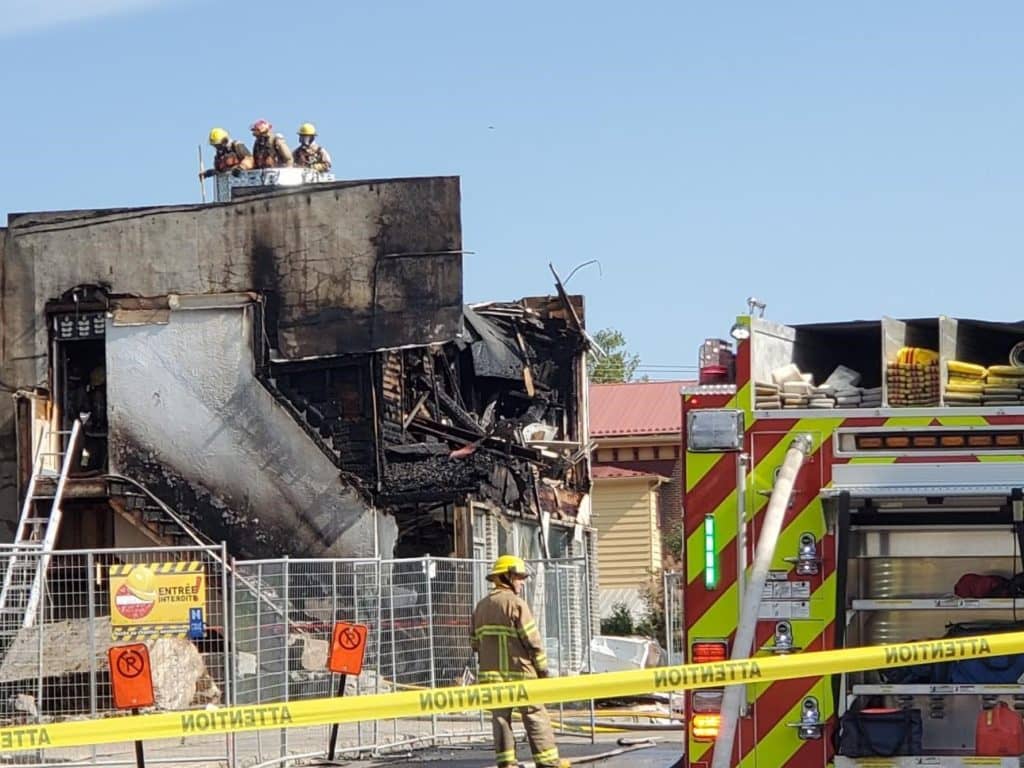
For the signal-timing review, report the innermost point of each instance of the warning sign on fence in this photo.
(156, 599)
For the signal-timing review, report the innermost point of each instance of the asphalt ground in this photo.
(665, 753)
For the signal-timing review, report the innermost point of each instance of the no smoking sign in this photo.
(348, 646)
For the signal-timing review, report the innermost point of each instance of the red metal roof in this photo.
(609, 471)
(636, 408)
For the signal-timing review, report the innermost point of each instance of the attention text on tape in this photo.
(235, 719)
(939, 649)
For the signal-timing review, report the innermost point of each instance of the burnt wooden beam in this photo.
(446, 432)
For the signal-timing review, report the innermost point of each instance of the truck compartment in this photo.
(901, 583)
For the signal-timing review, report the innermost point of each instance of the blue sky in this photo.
(838, 160)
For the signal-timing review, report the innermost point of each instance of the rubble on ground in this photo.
(68, 649)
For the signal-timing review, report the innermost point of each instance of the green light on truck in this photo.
(710, 553)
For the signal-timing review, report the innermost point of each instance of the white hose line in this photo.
(732, 701)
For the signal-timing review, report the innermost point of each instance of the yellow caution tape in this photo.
(514, 694)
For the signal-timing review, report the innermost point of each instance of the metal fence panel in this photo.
(57, 669)
(418, 614)
(674, 617)
(269, 626)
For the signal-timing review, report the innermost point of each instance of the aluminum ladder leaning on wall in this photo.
(25, 575)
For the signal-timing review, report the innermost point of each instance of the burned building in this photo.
(293, 372)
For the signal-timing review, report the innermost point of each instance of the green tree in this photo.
(620, 623)
(618, 364)
(653, 623)
(672, 545)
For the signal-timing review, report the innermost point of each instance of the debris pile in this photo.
(492, 415)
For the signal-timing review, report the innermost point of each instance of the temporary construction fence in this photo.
(673, 589)
(266, 631)
(418, 614)
(57, 668)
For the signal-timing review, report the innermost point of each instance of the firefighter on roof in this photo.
(269, 149)
(230, 155)
(309, 154)
(504, 635)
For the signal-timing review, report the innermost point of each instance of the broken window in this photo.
(77, 324)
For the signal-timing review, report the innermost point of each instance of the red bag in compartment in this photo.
(982, 585)
(999, 731)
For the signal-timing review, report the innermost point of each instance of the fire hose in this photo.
(625, 746)
(732, 701)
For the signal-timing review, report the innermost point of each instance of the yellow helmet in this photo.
(510, 565)
(217, 135)
(307, 129)
(142, 583)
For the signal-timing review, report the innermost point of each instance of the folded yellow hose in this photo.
(1004, 381)
(967, 369)
(917, 356)
(963, 387)
(1010, 371)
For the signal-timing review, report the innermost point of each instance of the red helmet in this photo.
(261, 128)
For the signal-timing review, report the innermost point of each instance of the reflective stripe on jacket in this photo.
(504, 634)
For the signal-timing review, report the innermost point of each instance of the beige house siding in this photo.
(655, 530)
(628, 544)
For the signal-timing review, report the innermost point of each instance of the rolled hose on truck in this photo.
(386, 706)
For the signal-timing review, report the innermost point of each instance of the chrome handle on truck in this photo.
(808, 562)
(783, 640)
(811, 726)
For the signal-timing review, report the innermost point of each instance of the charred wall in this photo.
(8, 441)
(189, 419)
(351, 267)
(343, 268)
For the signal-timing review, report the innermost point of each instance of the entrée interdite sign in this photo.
(149, 600)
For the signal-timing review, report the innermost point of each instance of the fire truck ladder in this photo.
(29, 556)
(750, 602)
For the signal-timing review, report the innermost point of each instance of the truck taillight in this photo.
(707, 651)
(705, 727)
(707, 715)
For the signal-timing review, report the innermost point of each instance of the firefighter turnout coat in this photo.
(504, 634)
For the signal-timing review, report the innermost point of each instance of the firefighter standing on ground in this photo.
(504, 635)
(230, 155)
(269, 149)
(309, 154)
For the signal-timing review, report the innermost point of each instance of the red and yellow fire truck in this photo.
(899, 519)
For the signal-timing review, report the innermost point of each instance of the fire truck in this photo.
(851, 484)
